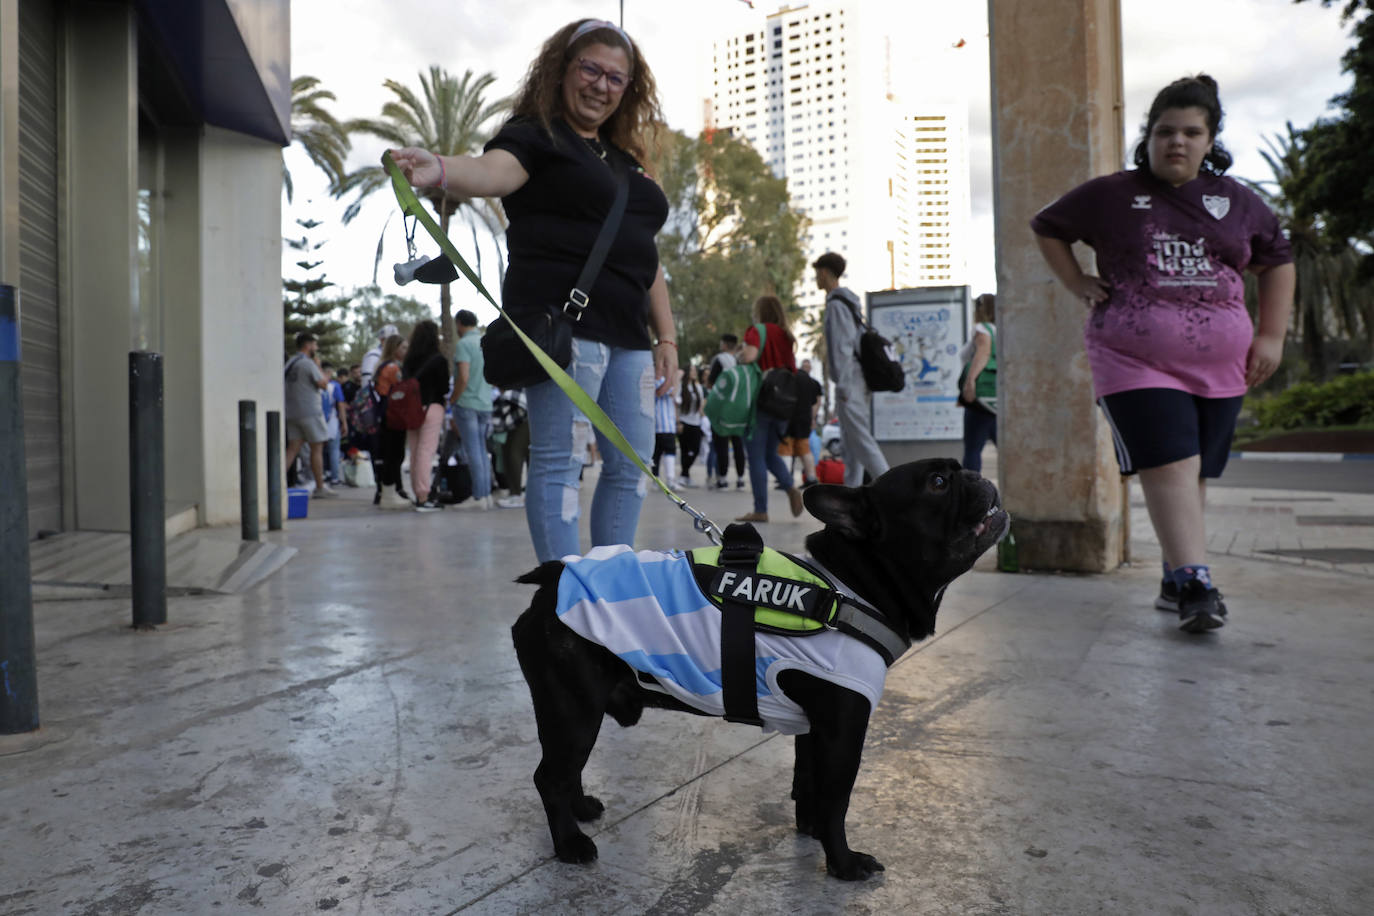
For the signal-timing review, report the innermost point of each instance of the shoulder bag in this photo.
(508, 363)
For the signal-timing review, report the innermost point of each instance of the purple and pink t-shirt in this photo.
(1174, 258)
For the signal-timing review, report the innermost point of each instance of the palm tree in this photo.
(318, 132)
(449, 117)
(1330, 301)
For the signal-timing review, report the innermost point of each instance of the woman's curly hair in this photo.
(637, 122)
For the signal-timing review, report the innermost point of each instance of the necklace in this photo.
(595, 146)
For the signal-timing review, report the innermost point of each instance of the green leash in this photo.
(411, 206)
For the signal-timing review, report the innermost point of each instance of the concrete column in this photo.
(101, 244)
(1057, 115)
(9, 142)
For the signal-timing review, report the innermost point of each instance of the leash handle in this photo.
(411, 206)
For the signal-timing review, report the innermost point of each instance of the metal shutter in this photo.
(38, 163)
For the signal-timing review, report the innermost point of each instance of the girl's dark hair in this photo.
(424, 343)
(690, 400)
(768, 309)
(638, 120)
(985, 308)
(1190, 92)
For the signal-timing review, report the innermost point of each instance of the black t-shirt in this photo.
(808, 390)
(554, 221)
(432, 373)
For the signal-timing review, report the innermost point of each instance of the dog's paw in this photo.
(578, 850)
(587, 808)
(857, 866)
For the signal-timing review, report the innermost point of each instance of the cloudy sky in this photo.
(1274, 61)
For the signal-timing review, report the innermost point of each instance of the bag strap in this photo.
(853, 309)
(292, 362)
(578, 298)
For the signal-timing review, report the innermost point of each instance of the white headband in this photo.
(592, 25)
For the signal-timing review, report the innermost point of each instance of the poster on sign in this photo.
(927, 327)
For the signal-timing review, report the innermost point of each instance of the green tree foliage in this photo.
(449, 116)
(304, 309)
(731, 236)
(320, 134)
(1333, 312)
(1337, 188)
(369, 310)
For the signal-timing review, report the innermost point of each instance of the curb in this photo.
(1303, 456)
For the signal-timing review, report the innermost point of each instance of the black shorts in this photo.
(1152, 427)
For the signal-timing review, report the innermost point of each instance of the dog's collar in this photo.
(858, 618)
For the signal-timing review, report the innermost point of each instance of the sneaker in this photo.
(1199, 608)
(323, 492)
(686, 482)
(429, 505)
(1168, 596)
(390, 499)
(739, 483)
(474, 505)
(722, 484)
(794, 501)
(512, 502)
(753, 517)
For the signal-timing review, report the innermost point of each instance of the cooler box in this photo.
(297, 502)
(830, 471)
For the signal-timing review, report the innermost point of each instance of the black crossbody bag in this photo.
(507, 362)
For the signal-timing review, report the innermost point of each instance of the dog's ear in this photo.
(846, 508)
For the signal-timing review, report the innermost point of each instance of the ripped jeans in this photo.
(622, 382)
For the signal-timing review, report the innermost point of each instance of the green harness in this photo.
(759, 589)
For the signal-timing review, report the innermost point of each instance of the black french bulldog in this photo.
(896, 542)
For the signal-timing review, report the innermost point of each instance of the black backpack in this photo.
(877, 356)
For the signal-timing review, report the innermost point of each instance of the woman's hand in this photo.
(1090, 289)
(1265, 354)
(665, 365)
(969, 392)
(420, 166)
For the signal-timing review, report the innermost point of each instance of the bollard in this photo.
(147, 489)
(18, 671)
(248, 469)
(274, 470)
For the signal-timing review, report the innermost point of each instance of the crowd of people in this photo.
(1171, 346)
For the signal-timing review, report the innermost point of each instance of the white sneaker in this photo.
(512, 502)
(324, 491)
(472, 504)
(393, 500)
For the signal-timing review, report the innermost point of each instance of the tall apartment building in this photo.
(884, 181)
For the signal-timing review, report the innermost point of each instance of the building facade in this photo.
(884, 179)
(140, 209)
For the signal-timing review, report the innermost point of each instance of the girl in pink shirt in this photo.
(1170, 343)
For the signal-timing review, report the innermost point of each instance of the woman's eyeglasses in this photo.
(591, 71)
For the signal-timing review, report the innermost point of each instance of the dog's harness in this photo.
(761, 589)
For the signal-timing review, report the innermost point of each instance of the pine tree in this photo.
(302, 306)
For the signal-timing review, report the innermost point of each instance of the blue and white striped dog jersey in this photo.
(647, 609)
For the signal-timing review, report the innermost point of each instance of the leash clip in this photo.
(577, 301)
(700, 522)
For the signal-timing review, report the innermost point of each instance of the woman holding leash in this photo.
(588, 108)
(1170, 343)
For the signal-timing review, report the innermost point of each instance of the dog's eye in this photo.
(938, 483)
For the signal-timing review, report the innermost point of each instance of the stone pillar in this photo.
(1057, 120)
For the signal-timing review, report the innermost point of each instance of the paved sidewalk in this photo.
(353, 734)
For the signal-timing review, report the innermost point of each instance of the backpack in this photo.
(365, 413)
(404, 409)
(778, 390)
(730, 404)
(878, 361)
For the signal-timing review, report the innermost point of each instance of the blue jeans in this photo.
(622, 383)
(474, 427)
(763, 457)
(979, 426)
(333, 461)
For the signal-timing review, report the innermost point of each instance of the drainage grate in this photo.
(1327, 554)
(1365, 521)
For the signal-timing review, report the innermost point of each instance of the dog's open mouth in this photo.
(992, 526)
(988, 518)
